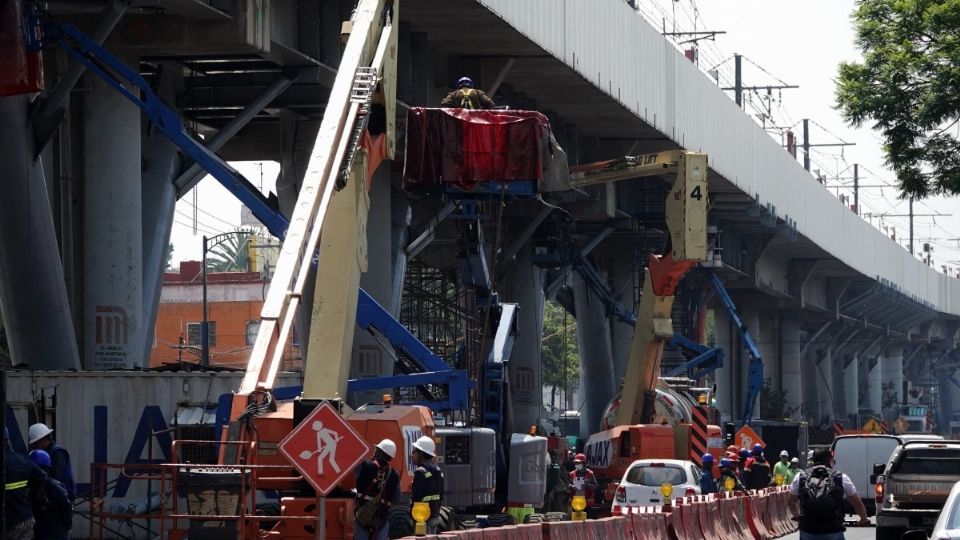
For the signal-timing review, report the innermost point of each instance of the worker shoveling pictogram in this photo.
(327, 441)
(324, 448)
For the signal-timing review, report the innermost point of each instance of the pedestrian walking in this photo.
(816, 499)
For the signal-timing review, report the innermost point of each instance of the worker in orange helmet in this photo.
(582, 480)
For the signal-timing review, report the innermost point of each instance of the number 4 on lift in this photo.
(695, 194)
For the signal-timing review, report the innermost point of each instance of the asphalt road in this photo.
(853, 533)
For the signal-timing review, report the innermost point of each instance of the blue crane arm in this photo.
(755, 369)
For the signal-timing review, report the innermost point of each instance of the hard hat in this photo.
(388, 447)
(707, 458)
(743, 452)
(784, 453)
(464, 81)
(795, 460)
(37, 432)
(426, 445)
(732, 449)
(580, 458)
(724, 462)
(758, 448)
(41, 458)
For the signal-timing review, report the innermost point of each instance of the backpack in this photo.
(821, 494)
(466, 95)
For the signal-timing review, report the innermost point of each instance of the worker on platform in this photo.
(427, 480)
(792, 471)
(52, 511)
(756, 471)
(729, 479)
(781, 469)
(378, 486)
(21, 478)
(467, 97)
(582, 480)
(707, 484)
(40, 437)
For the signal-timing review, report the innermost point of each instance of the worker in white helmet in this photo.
(427, 480)
(378, 486)
(40, 437)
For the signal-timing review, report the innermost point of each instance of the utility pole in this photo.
(806, 144)
(856, 188)
(204, 335)
(911, 225)
(738, 79)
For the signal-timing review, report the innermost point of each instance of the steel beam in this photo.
(813, 338)
(185, 182)
(508, 256)
(424, 234)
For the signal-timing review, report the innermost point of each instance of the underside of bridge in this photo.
(84, 229)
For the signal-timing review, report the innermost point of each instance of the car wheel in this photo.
(889, 533)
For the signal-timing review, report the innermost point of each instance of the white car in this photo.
(641, 484)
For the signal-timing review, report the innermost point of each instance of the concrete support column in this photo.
(161, 165)
(596, 357)
(851, 388)
(33, 297)
(812, 385)
(621, 334)
(525, 287)
(837, 384)
(369, 359)
(874, 383)
(112, 229)
(768, 341)
(891, 374)
(724, 376)
(790, 364)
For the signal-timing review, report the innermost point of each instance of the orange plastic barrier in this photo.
(755, 504)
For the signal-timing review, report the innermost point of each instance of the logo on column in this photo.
(111, 326)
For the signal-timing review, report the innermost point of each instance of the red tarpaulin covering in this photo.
(20, 72)
(467, 147)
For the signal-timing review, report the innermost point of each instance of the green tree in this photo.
(170, 257)
(559, 356)
(231, 254)
(773, 403)
(908, 86)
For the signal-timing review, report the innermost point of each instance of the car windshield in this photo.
(656, 475)
(929, 461)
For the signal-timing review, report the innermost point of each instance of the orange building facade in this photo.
(234, 300)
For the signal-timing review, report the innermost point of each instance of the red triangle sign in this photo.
(324, 448)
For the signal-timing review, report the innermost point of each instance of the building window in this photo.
(193, 333)
(252, 328)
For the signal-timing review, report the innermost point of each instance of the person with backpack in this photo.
(467, 97)
(378, 486)
(816, 499)
(52, 510)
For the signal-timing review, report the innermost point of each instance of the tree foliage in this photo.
(773, 403)
(231, 254)
(169, 263)
(908, 86)
(560, 358)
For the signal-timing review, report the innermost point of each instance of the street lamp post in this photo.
(209, 243)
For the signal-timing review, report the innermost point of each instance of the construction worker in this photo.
(427, 480)
(744, 455)
(729, 479)
(378, 486)
(792, 471)
(781, 469)
(756, 471)
(40, 437)
(467, 97)
(52, 511)
(582, 480)
(707, 484)
(21, 477)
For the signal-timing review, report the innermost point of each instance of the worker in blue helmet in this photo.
(707, 483)
(51, 507)
(729, 479)
(467, 97)
(756, 471)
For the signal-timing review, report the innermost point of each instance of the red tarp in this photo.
(466, 147)
(20, 72)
